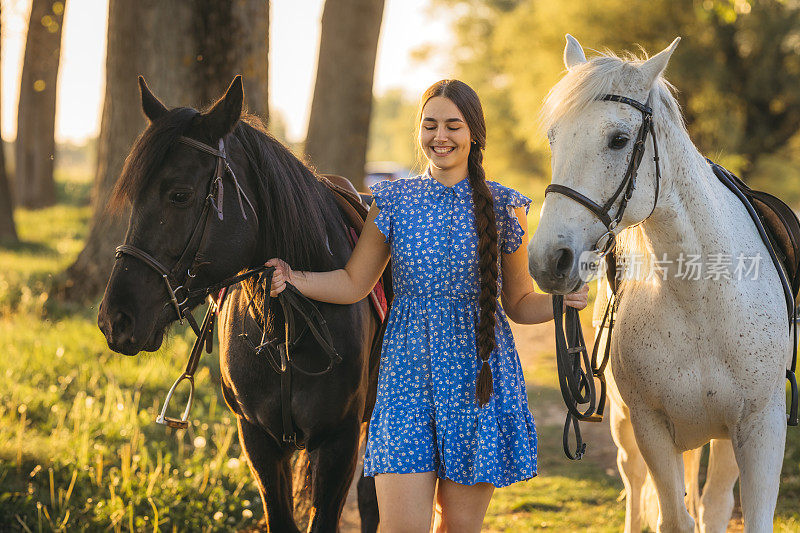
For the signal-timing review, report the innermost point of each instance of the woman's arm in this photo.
(346, 285)
(521, 302)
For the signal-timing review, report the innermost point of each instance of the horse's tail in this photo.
(301, 487)
(367, 497)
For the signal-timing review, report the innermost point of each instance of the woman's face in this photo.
(443, 134)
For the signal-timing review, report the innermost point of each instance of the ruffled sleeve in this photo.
(512, 230)
(382, 192)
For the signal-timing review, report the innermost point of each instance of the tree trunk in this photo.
(339, 123)
(149, 37)
(36, 115)
(232, 38)
(139, 42)
(8, 231)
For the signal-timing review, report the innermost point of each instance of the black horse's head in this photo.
(187, 228)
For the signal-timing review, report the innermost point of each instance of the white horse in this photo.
(713, 510)
(693, 359)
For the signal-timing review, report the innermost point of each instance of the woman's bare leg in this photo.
(461, 508)
(405, 501)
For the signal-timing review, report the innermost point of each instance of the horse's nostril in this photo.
(562, 261)
(121, 327)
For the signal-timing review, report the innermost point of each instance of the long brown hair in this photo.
(467, 101)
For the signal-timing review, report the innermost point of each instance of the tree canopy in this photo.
(737, 70)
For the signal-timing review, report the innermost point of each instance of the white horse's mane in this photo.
(584, 83)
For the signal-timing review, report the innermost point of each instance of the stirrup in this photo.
(183, 421)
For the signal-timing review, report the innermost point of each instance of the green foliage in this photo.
(49, 241)
(392, 130)
(737, 69)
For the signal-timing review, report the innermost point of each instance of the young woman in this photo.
(451, 417)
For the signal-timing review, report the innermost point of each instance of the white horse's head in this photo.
(592, 144)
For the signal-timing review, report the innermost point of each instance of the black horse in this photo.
(179, 166)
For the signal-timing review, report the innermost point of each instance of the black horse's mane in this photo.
(293, 205)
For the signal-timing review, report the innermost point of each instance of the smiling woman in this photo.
(451, 416)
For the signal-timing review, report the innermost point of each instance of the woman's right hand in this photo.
(282, 274)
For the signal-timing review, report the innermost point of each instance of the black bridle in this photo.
(277, 353)
(576, 371)
(175, 282)
(606, 241)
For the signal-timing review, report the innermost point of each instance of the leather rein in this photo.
(277, 352)
(576, 372)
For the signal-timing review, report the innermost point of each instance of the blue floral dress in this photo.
(426, 416)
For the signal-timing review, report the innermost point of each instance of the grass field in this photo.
(79, 449)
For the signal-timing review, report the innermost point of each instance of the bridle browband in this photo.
(214, 200)
(576, 372)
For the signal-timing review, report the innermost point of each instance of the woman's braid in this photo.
(486, 227)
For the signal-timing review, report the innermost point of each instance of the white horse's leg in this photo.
(758, 443)
(717, 501)
(665, 462)
(630, 463)
(691, 473)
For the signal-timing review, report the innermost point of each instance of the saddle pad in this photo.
(377, 296)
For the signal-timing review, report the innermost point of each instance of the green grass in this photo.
(79, 449)
(576, 496)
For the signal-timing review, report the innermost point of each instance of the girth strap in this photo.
(279, 353)
(730, 182)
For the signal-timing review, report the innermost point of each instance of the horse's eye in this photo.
(618, 141)
(180, 198)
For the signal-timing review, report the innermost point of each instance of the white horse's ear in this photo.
(656, 64)
(573, 53)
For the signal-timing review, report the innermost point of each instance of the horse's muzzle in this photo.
(119, 328)
(555, 270)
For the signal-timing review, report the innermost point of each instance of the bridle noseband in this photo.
(606, 241)
(214, 200)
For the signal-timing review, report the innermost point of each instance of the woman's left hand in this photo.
(578, 299)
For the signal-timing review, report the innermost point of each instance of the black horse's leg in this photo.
(334, 463)
(271, 468)
(367, 497)
(368, 504)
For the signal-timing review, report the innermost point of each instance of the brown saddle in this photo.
(780, 224)
(784, 229)
(355, 209)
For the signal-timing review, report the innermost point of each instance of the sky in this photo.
(294, 41)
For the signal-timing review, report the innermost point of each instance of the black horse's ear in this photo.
(225, 113)
(152, 106)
